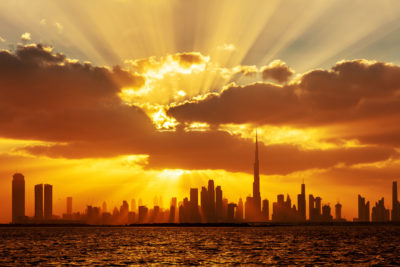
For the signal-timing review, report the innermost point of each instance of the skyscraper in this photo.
(301, 202)
(338, 212)
(239, 211)
(69, 205)
(265, 210)
(211, 201)
(194, 205)
(204, 203)
(379, 212)
(256, 184)
(18, 198)
(253, 203)
(39, 201)
(363, 210)
(218, 203)
(172, 210)
(48, 201)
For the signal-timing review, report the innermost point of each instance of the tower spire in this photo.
(256, 152)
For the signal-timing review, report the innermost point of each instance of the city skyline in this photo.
(212, 207)
(169, 97)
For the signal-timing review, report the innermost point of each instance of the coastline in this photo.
(178, 225)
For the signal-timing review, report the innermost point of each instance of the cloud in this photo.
(46, 96)
(179, 62)
(278, 71)
(26, 36)
(351, 91)
(217, 150)
(2, 40)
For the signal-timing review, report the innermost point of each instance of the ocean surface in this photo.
(120, 246)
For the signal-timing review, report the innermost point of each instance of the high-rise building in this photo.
(69, 205)
(218, 203)
(211, 201)
(48, 201)
(315, 208)
(172, 210)
(39, 201)
(363, 210)
(253, 203)
(18, 198)
(326, 213)
(124, 212)
(256, 185)
(283, 211)
(338, 211)
(143, 214)
(318, 205)
(204, 203)
(301, 202)
(194, 205)
(379, 212)
(265, 210)
(239, 211)
(395, 204)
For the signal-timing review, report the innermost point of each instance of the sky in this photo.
(110, 100)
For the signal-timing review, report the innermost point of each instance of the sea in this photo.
(132, 246)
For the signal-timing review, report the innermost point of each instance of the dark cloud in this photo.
(189, 58)
(351, 91)
(277, 71)
(45, 96)
(217, 150)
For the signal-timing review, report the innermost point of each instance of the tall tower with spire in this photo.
(256, 183)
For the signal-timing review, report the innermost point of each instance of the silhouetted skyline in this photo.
(211, 208)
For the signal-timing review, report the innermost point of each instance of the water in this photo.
(315, 245)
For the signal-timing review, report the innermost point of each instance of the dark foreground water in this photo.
(315, 245)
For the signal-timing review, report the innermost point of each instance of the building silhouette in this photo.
(172, 210)
(194, 205)
(239, 211)
(211, 201)
(326, 213)
(218, 204)
(379, 212)
(363, 210)
(265, 210)
(39, 201)
(143, 210)
(338, 212)
(253, 204)
(18, 198)
(301, 202)
(48, 201)
(283, 211)
(314, 208)
(395, 204)
(69, 205)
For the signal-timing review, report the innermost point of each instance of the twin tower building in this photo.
(43, 200)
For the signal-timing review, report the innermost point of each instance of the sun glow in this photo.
(307, 138)
(162, 121)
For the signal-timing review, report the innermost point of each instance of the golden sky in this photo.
(110, 100)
